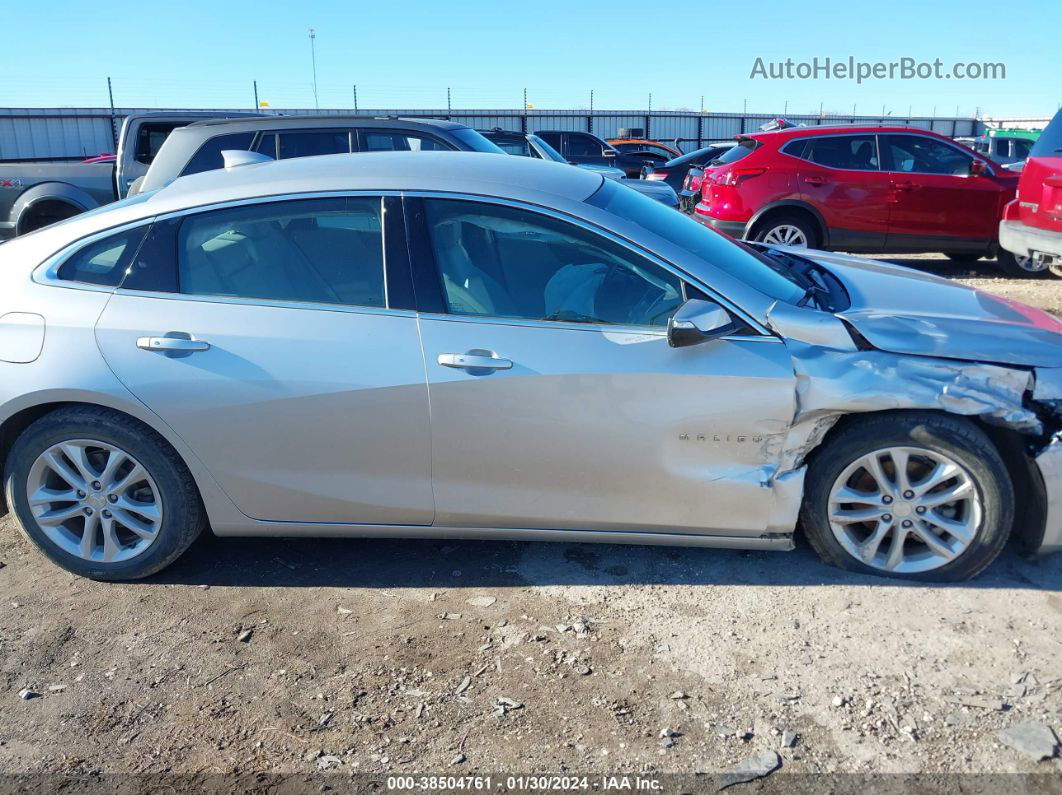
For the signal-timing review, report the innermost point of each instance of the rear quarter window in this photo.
(103, 262)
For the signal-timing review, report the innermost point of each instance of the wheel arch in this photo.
(790, 205)
(49, 191)
(217, 504)
(1030, 510)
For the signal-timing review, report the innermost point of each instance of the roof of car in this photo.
(836, 129)
(476, 173)
(323, 120)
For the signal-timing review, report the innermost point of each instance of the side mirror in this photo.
(978, 168)
(609, 152)
(698, 321)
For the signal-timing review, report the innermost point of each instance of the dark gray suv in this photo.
(198, 147)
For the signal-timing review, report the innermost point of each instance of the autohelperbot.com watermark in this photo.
(850, 68)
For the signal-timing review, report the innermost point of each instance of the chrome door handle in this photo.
(473, 361)
(177, 344)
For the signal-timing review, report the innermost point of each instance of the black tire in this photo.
(183, 518)
(963, 258)
(1010, 265)
(806, 226)
(956, 437)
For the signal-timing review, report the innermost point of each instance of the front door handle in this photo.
(815, 180)
(172, 344)
(474, 361)
(907, 186)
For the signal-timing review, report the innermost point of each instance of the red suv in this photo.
(1032, 224)
(863, 189)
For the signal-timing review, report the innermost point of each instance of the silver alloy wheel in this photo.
(1027, 264)
(94, 500)
(905, 509)
(786, 235)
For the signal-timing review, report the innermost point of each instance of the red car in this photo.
(860, 189)
(1032, 224)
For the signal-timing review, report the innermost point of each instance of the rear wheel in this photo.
(787, 229)
(916, 496)
(1020, 267)
(44, 214)
(101, 494)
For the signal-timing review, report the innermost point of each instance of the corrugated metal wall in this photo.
(31, 133)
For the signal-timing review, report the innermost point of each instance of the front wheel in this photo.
(102, 495)
(912, 495)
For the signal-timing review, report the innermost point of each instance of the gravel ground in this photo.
(321, 660)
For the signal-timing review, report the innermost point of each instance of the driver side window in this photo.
(916, 154)
(507, 262)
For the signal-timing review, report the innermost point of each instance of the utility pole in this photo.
(702, 103)
(650, 101)
(525, 100)
(114, 132)
(591, 100)
(256, 95)
(447, 101)
(313, 61)
(355, 97)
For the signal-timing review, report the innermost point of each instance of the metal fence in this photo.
(65, 133)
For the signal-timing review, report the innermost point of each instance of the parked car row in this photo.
(870, 189)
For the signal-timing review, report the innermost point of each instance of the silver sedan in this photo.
(462, 345)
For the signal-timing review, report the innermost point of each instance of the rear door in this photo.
(840, 176)
(270, 338)
(937, 204)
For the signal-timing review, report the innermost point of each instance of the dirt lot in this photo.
(322, 660)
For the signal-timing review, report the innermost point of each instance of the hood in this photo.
(906, 311)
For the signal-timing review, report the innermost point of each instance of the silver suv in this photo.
(458, 345)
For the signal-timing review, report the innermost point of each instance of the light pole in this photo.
(313, 61)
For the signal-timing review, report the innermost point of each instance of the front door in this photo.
(270, 347)
(556, 401)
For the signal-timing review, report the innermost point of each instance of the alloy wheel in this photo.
(94, 501)
(786, 235)
(905, 509)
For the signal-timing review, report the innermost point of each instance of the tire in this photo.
(166, 491)
(1019, 267)
(986, 515)
(963, 258)
(779, 226)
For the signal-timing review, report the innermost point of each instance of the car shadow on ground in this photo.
(415, 563)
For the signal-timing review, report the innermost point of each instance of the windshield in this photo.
(474, 141)
(548, 151)
(765, 274)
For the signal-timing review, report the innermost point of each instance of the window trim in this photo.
(809, 138)
(47, 273)
(426, 269)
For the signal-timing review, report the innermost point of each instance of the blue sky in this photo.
(405, 53)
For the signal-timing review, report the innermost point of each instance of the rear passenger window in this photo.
(319, 250)
(209, 157)
(314, 142)
(104, 261)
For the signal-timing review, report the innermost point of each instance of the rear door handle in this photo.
(172, 344)
(815, 180)
(473, 361)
